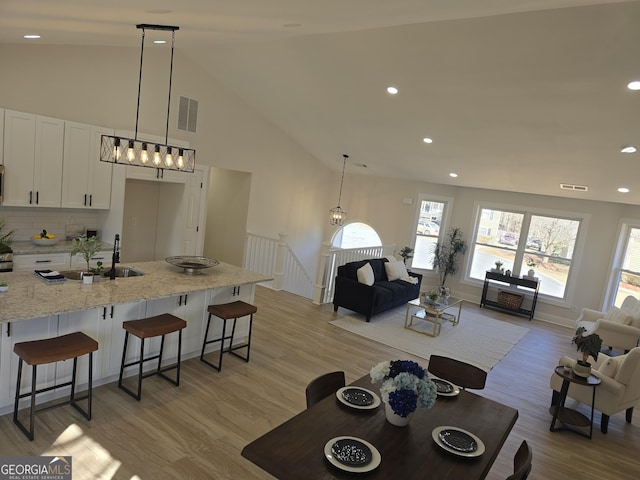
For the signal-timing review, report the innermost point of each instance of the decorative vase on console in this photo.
(405, 387)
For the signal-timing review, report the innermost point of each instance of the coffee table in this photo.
(434, 314)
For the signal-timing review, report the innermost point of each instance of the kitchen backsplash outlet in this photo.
(26, 222)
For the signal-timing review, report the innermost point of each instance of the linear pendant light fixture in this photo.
(337, 215)
(131, 151)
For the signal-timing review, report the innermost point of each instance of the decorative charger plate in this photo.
(191, 263)
(358, 397)
(352, 454)
(444, 388)
(458, 441)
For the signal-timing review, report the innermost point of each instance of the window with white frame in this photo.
(431, 216)
(524, 241)
(626, 271)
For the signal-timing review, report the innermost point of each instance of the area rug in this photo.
(477, 339)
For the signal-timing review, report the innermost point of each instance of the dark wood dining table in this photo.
(295, 449)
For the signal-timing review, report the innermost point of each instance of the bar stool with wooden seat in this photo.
(149, 328)
(50, 350)
(228, 311)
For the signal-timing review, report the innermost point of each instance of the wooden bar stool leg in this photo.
(73, 379)
(224, 332)
(247, 345)
(179, 356)
(160, 354)
(140, 369)
(204, 343)
(124, 356)
(17, 402)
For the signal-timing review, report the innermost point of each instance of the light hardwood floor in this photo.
(197, 431)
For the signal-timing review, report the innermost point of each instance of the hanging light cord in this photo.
(166, 134)
(139, 85)
(344, 164)
(173, 40)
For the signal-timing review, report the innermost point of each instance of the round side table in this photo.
(567, 416)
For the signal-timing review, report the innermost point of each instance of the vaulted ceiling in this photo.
(517, 95)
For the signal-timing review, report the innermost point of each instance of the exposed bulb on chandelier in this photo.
(144, 154)
(156, 156)
(131, 153)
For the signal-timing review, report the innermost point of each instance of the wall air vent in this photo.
(188, 114)
(577, 188)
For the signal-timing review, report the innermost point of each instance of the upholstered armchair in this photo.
(618, 328)
(619, 390)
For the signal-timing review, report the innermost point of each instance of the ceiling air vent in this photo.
(577, 188)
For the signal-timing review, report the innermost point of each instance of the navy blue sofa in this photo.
(369, 300)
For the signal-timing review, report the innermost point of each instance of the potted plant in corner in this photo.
(589, 345)
(87, 247)
(445, 255)
(406, 253)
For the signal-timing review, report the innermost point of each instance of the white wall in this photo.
(98, 85)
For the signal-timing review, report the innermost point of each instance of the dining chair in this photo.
(323, 386)
(460, 373)
(522, 462)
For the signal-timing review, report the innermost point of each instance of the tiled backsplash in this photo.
(26, 222)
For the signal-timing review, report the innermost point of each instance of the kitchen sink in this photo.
(124, 272)
(121, 272)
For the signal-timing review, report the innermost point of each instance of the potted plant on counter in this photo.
(589, 345)
(6, 239)
(87, 247)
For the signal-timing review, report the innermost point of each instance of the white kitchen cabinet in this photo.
(86, 181)
(33, 148)
(24, 331)
(94, 323)
(115, 316)
(41, 261)
(192, 309)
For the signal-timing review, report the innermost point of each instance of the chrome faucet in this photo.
(115, 258)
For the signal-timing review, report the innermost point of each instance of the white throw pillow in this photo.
(365, 274)
(615, 315)
(395, 270)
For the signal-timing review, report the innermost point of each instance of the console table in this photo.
(528, 287)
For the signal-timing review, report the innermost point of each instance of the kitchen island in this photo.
(33, 309)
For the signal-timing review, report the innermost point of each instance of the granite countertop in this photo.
(63, 246)
(31, 297)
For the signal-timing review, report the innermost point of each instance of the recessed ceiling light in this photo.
(635, 85)
(392, 90)
(159, 42)
(628, 149)
(623, 190)
(32, 36)
(427, 140)
(453, 175)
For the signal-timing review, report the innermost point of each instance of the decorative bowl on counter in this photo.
(192, 263)
(38, 240)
